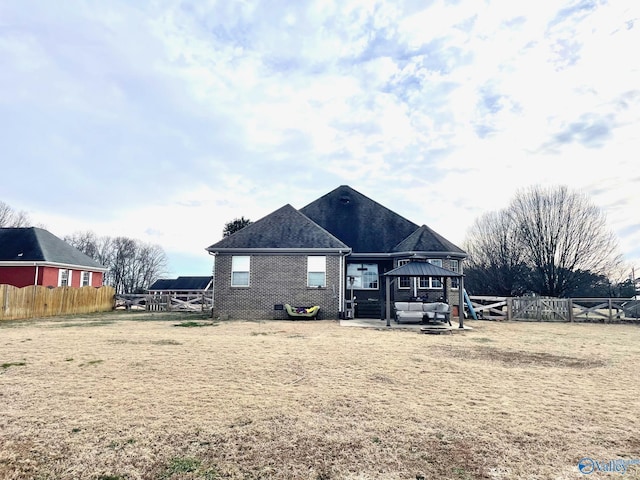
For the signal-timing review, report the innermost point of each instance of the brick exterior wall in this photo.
(274, 280)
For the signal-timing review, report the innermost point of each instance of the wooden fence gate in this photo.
(540, 309)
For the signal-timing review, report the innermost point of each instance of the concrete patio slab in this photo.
(377, 323)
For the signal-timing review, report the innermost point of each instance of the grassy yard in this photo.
(113, 397)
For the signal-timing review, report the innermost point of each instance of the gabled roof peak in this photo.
(285, 228)
(424, 239)
(360, 222)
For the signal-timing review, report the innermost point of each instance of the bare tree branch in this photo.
(133, 265)
(545, 241)
(12, 218)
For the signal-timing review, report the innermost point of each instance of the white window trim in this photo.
(438, 263)
(457, 270)
(361, 287)
(82, 278)
(402, 262)
(69, 277)
(248, 271)
(314, 263)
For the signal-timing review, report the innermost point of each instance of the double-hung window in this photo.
(64, 277)
(404, 282)
(240, 267)
(432, 282)
(316, 271)
(85, 279)
(454, 265)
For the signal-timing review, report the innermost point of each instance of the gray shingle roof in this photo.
(421, 269)
(181, 283)
(38, 245)
(426, 240)
(284, 228)
(363, 224)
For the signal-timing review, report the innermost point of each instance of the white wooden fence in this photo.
(184, 301)
(545, 309)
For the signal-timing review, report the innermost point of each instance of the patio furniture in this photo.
(302, 312)
(418, 311)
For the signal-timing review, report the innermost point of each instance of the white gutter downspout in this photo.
(213, 281)
(35, 280)
(341, 287)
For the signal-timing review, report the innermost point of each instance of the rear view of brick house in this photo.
(336, 248)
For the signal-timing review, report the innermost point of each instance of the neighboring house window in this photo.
(85, 279)
(64, 278)
(316, 271)
(434, 282)
(240, 271)
(454, 265)
(364, 275)
(404, 282)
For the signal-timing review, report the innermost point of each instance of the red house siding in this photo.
(18, 276)
(96, 279)
(47, 276)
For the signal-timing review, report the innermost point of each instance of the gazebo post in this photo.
(388, 304)
(445, 297)
(461, 301)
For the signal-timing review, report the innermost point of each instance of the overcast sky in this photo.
(162, 120)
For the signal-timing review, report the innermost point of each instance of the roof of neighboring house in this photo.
(363, 224)
(426, 240)
(181, 283)
(286, 228)
(34, 244)
(421, 269)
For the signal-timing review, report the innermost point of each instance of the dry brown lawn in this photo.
(117, 396)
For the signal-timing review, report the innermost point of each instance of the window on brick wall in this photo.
(316, 271)
(454, 265)
(404, 282)
(85, 279)
(432, 282)
(240, 267)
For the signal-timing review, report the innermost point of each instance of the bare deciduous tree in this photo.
(543, 242)
(495, 261)
(561, 232)
(12, 218)
(133, 265)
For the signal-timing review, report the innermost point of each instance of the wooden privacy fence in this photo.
(36, 301)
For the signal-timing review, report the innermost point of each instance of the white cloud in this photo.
(163, 120)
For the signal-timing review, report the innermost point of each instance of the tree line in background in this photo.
(133, 265)
(12, 218)
(548, 241)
